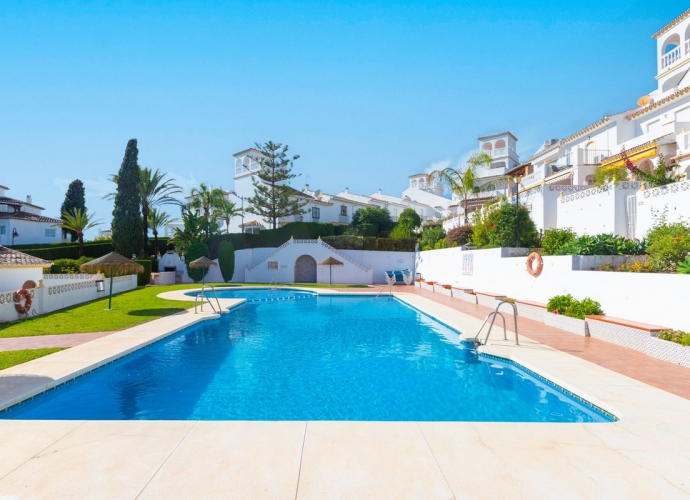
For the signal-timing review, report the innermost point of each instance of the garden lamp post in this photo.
(517, 180)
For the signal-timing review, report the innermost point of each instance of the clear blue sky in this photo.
(366, 92)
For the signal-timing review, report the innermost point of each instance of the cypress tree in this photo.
(128, 228)
(74, 199)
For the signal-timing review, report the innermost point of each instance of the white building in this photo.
(22, 222)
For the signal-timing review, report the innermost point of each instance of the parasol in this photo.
(330, 262)
(116, 262)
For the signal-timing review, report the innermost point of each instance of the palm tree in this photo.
(207, 201)
(155, 190)
(79, 221)
(461, 182)
(225, 211)
(157, 219)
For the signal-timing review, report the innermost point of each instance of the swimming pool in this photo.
(332, 358)
(261, 294)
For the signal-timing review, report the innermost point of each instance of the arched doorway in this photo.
(305, 269)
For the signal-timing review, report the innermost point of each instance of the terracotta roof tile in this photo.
(671, 24)
(9, 258)
(29, 217)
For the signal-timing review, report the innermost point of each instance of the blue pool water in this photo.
(262, 294)
(331, 358)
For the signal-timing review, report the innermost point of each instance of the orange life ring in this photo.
(534, 256)
(22, 308)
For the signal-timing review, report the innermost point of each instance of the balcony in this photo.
(593, 156)
(502, 153)
(534, 177)
(672, 57)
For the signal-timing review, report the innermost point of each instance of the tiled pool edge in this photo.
(31, 393)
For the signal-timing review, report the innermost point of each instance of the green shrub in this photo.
(677, 336)
(573, 308)
(377, 216)
(431, 233)
(67, 266)
(556, 238)
(345, 242)
(603, 244)
(637, 267)
(226, 260)
(394, 245)
(196, 250)
(440, 244)
(458, 236)
(684, 267)
(144, 277)
(410, 218)
(584, 307)
(669, 244)
(401, 230)
(559, 303)
(501, 227)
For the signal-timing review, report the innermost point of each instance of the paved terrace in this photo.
(646, 454)
(633, 364)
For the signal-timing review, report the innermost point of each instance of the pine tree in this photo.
(273, 198)
(74, 200)
(128, 228)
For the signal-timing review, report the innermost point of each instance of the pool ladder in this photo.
(493, 315)
(203, 297)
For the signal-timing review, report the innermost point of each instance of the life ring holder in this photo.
(23, 294)
(535, 257)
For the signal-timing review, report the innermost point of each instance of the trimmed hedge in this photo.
(375, 244)
(226, 260)
(144, 277)
(66, 266)
(271, 238)
(93, 249)
(196, 250)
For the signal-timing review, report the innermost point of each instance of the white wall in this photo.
(596, 210)
(29, 232)
(12, 278)
(674, 199)
(646, 297)
(60, 293)
(383, 261)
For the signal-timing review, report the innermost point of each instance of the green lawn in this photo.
(12, 358)
(129, 309)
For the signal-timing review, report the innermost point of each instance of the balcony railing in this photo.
(593, 156)
(501, 152)
(533, 177)
(560, 163)
(672, 57)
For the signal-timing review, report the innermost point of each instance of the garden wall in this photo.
(57, 294)
(674, 199)
(645, 297)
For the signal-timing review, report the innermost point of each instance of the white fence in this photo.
(646, 297)
(58, 293)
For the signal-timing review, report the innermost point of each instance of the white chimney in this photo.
(306, 187)
(347, 190)
(380, 192)
(28, 199)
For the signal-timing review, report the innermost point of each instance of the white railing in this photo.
(533, 177)
(687, 47)
(593, 156)
(671, 57)
(686, 140)
(499, 152)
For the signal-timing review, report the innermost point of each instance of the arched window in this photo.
(487, 146)
(500, 144)
(589, 180)
(413, 184)
(646, 166)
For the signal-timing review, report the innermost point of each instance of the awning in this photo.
(647, 150)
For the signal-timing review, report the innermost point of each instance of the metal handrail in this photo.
(202, 295)
(493, 316)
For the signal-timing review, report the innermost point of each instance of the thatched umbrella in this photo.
(202, 262)
(116, 262)
(330, 262)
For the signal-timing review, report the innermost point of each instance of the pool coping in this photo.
(644, 454)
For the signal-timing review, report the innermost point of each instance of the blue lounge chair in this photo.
(399, 277)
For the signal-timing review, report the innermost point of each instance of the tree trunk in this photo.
(145, 213)
(81, 244)
(155, 243)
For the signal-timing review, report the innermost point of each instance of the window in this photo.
(50, 233)
(252, 230)
(3, 230)
(315, 212)
(343, 210)
(273, 264)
